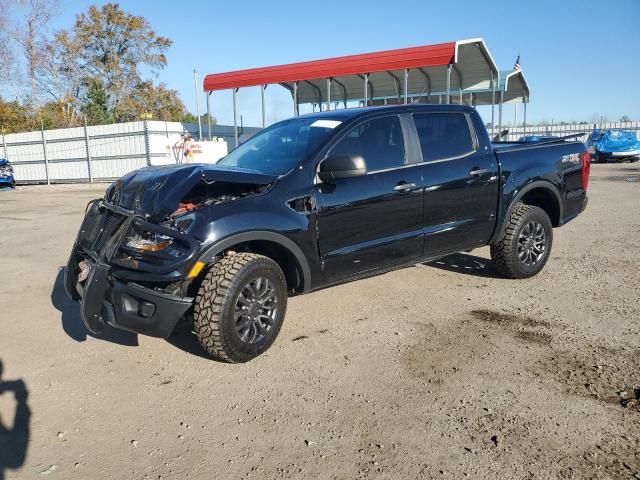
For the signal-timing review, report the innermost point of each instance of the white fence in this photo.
(105, 152)
(100, 152)
(560, 130)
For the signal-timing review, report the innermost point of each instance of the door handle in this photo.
(476, 172)
(402, 187)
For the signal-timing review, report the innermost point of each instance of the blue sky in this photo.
(580, 58)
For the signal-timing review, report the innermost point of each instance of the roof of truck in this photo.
(346, 113)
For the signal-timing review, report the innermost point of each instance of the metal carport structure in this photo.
(423, 73)
(512, 88)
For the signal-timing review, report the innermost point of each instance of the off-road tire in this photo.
(213, 316)
(504, 253)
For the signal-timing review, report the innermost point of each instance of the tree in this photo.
(31, 35)
(6, 55)
(14, 117)
(158, 103)
(112, 45)
(96, 105)
(625, 118)
(191, 118)
(56, 114)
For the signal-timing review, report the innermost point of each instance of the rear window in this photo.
(443, 135)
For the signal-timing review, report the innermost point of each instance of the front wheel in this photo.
(525, 244)
(240, 307)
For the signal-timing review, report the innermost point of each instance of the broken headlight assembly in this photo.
(153, 248)
(149, 242)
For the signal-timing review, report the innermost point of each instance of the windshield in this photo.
(282, 146)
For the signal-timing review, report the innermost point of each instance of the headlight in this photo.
(153, 248)
(149, 242)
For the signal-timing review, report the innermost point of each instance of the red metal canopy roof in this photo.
(426, 56)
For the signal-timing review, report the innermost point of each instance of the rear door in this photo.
(460, 183)
(374, 220)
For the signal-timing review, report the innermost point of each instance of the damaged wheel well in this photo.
(279, 254)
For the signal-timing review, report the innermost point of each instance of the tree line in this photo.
(92, 71)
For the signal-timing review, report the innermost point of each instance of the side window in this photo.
(443, 135)
(378, 141)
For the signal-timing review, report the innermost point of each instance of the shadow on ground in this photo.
(183, 339)
(465, 264)
(72, 323)
(14, 435)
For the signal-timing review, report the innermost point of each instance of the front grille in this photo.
(99, 225)
(110, 223)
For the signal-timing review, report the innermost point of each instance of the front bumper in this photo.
(116, 297)
(125, 305)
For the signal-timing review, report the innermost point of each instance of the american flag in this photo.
(517, 66)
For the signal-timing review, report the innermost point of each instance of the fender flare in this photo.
(546, 185)
(211, 251)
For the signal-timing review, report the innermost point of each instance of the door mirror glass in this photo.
(341, 166)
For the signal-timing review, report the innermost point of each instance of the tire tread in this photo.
(504, 254)
(210, 301)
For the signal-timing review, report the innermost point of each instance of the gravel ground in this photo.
(441, 370)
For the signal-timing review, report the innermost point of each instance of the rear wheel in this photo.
(524, 247)
(240, 307)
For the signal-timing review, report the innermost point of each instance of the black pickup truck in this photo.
(310, 202)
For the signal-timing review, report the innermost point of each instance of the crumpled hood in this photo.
(155, 192)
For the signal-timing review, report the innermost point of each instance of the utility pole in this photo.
(195, 86)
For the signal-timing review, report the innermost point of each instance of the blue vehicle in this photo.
(614, 145)
(7, 181)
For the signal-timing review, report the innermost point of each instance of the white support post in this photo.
(147, 145)
(262, 89)
(4, 145)
(406, 86)
(493, 101)
(500, 116)
(328, 94)
(235, 118)
(88, 150)
(449, 68)
(44, 152)
(366, 89)
(209, 115)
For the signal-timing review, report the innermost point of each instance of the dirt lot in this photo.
(436, 371)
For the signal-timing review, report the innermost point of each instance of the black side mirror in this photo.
(342, 166)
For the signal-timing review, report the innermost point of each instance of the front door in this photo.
(374, 220)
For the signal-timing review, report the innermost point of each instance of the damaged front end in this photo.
(130, 264)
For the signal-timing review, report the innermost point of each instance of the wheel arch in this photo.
(541, 194)
(279, 248)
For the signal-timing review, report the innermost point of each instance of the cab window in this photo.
(378, 141)
(443, 135)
